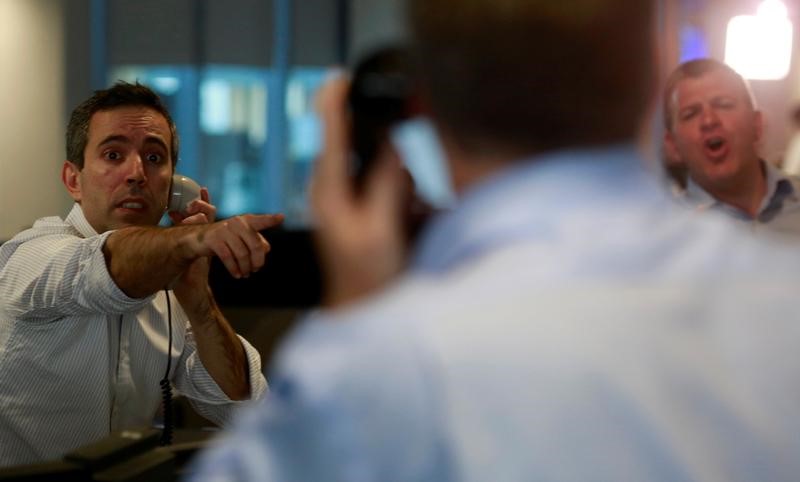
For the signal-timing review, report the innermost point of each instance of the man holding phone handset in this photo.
(86, 318)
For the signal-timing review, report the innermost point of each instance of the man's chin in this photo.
(724, 177)
(135, 219)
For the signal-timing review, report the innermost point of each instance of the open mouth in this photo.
(715, 146)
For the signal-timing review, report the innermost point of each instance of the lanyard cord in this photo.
(166, 387)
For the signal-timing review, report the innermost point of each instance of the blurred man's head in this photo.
(712, 125)
(516, 77)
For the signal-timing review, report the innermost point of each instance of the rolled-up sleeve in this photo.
(193, 380)
(51, 276)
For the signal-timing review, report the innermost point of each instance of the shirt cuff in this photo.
(206, 389)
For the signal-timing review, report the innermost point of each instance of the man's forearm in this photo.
(220, 350)
(143, 260)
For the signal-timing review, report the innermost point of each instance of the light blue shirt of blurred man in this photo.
(566, 321)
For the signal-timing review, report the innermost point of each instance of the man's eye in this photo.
(113, 155)
(688, 114)
(154, 158)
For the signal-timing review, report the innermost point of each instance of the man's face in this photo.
(127, 169)
(715, 130)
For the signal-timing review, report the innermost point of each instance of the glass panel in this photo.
(304, 140)
(233, 135)
(222, 120)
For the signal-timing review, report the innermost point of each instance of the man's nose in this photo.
(709, 118)
(136, 174)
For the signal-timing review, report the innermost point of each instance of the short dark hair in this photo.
(694, 69)
(121, 94)
(523, 76)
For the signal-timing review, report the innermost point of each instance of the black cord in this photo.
(166, 387)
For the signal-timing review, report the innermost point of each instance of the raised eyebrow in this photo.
(112, 139)
(158, 141)
(125, 140)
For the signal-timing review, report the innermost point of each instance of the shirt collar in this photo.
(527, 200)
(77, 219)
(779, 188)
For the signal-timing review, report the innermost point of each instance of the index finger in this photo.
(260, 222)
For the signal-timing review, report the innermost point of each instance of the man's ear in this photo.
(70, 176)
(672, 155)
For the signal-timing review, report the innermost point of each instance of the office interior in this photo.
(240, 78)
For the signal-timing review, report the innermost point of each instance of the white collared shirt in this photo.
(78, 357)
(779, 210)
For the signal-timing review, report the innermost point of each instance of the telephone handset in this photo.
(183, 191)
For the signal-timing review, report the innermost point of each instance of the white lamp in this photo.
(760, 46)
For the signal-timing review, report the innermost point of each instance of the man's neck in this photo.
(746, 193)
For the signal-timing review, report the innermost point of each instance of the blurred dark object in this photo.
(381, 95)
(57, 471)
(124, 456)
(154, 465)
